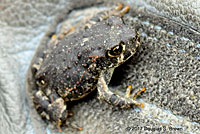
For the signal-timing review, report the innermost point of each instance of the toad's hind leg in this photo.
(52, 109)
(119, 11)
(116, 100)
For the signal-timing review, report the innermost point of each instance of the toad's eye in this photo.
(117, 50)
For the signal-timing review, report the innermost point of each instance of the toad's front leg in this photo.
(116, 100)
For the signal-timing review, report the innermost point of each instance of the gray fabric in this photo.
(167, 65)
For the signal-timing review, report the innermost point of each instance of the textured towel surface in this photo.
(167, 65)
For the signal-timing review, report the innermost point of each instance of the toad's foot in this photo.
(116, 100)
(119, 11)
(134, 96)
(122, 10)
(51, 107)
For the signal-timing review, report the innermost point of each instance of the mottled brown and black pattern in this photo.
(74, 66)
(63, 68)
